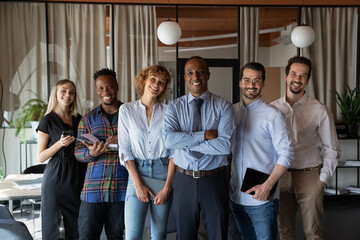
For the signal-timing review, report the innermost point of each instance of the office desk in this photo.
(29, 187)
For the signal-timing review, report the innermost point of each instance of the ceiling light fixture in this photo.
(303, 36)
(169, 32)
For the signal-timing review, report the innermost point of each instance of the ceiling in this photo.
(208, 21)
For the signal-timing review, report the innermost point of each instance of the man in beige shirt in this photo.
(313, 131)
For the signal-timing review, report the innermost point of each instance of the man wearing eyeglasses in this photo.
(261, 144)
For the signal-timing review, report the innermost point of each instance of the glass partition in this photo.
(275, 47)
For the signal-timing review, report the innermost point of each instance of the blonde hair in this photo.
(53, 98)
(156, 70)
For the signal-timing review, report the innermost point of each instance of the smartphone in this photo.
(68, 133)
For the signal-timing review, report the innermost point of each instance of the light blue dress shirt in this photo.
(260, 141)
(216, 114)
(137, 138)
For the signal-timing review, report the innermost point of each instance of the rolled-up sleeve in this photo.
(282, 141)
(125, 152)
(331, 154)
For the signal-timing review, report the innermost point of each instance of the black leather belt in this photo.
(201, 173)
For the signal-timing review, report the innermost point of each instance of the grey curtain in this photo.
(249, 34)
(23, 55)
(135, 44)
(333, 53)
(77, 47)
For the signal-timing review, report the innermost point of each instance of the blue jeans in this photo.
(257, 222)
(135, 210)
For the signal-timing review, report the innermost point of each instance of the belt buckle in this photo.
(195, 175)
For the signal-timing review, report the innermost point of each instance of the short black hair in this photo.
(103, 72)
(253, 66)
(298, 59)
(198, 57)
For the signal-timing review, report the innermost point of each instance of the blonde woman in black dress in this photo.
(64, 175)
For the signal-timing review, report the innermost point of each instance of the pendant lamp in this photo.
(303, 36)
(169, 32)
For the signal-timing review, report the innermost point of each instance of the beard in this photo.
(108, 104)
(293, 91)
(248, 96)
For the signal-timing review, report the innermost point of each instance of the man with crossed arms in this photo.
(198, 127)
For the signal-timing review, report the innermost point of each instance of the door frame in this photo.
(211, 62)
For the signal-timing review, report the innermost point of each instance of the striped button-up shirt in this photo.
(216, 114)
(105, 179)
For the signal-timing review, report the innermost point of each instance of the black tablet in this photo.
(254, 177)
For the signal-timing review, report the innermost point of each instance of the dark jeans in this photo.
(208, 195)
(93, 216)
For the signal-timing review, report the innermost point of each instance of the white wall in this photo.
(11, 147)
(276, 56)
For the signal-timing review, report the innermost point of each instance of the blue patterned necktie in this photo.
(197, 125)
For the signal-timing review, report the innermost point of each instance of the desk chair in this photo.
(11, 229)
(5, 213)
(39, 168)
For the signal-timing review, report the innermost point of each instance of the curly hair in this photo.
(298, 59)
(156, 70)
(103, 72)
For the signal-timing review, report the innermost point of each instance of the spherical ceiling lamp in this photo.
(303, 36)
(169, 32)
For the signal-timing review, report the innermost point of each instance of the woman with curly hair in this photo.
(142, 148)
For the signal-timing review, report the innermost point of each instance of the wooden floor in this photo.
(341, 220)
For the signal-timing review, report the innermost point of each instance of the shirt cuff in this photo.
(199, 136)
(124, 157)
(88, 156)
(284, 161)
(324, 178)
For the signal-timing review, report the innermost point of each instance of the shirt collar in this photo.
(253, 105)
(205, 96)
(302, 100)
(143, 106)
(98, 109)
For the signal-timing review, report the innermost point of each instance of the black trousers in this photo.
(210, 195)
(93, 216)
(60, 195)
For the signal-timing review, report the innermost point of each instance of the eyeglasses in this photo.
(254, 81)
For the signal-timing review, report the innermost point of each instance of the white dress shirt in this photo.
(137, 138)
(313, 130)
